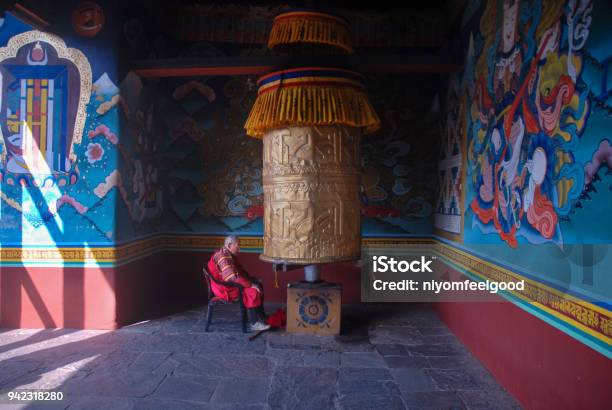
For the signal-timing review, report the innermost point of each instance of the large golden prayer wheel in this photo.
(311, 121)
(311, 183)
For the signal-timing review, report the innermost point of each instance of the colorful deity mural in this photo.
(45, 88)
(529, 108)
(532, 107)
(58, 143)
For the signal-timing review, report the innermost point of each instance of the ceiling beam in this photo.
(259, 65)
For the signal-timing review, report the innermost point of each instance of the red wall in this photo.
(541, 366)
(188, 266)
(44, 297)
(345, 273)
(170, 282)
(160, 284)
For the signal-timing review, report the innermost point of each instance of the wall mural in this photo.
(531, 104)
(399, 162)
(536, 128)
(212, 172)
(58, 143)
(87, 18)
(215, 170)
(138, 172)
(186, 165)
(449, 208)
(45, 87)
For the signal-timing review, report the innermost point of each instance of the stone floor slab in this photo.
(433, 400)
(362, 359)
(392, 350)
(224, 365)
(371, 394)
(286, 357)
(303, 388)
(348, 375)
(321, 359)
(112, 384)
(442, 349)
(148, 362)
(450, 362)
(102, 403)
(239, 390)
(406, 361)
(453, 379)
(187, 388)
(489, 399)
(395, 335)
(411, 380)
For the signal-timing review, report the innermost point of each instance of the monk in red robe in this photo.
(224, 267)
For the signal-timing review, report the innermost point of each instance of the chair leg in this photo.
(243, 317)
(209, 313)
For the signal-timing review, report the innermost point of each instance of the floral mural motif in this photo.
(528, 110)
(106, 132)
(94, 152)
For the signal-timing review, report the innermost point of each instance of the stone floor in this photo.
(388, 357)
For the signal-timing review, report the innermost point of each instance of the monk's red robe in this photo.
(224, 268)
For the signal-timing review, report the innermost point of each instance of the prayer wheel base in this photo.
(314, 308)
(309, 261)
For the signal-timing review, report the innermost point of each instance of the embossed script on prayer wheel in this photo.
(311, 121)
(311, 181)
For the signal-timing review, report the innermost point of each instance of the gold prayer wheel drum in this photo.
(311, 121)
(311, 183)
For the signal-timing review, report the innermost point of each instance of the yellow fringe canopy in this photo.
(295, 27)
(311, 96)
